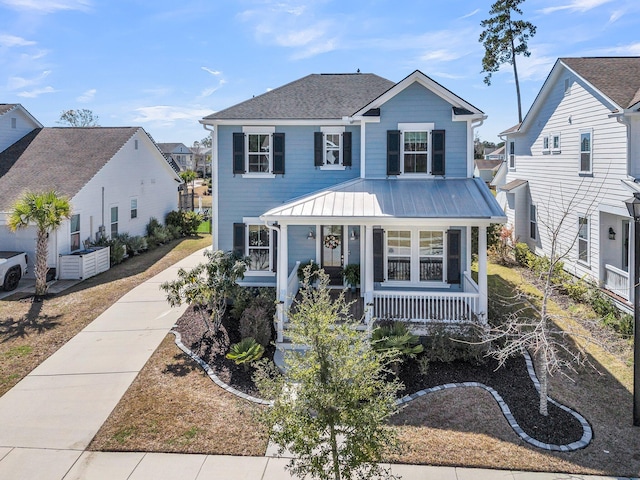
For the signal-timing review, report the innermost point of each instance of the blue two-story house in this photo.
(355, 169)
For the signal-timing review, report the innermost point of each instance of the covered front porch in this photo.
(413, 250)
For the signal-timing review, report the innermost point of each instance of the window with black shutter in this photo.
(453, 256)
(346, 149)
(318, 144)
(278, 153)
(238, 153)
(393, 152)
(238, 239)
(437, 152)
(378, 255)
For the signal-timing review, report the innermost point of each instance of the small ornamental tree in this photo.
(208, 286)
(330, 408)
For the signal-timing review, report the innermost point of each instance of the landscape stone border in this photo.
(587, 431)
(586, 438)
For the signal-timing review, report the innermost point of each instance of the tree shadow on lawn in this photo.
(31, 322)
(181, 366)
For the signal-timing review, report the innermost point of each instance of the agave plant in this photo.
(396, 336)
(245, 352)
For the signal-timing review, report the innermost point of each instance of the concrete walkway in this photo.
(48, 419)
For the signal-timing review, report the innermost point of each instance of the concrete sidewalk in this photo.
(48, 419)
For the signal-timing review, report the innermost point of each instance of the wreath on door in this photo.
(332, 241)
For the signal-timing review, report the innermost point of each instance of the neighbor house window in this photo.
(555, 143)
(259, 247)
(585, 152)
(134, 208)
(545, 144)
(14, 122)
(114, 221)
(533, 221)
(75, 232)
(512, 154)
(567, 86)
(431, 255)
(583, 239)
(135, 144)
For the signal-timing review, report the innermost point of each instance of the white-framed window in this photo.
(332, 148)
(134, 208)
(258, 247)
(585, 151)
(555, 142)
(415, 157)
(567, 86)
(533, 221)
(75, 232)
(512, 154)
(114, 221)
(415, 255)
(545, 144)
(583, 240)
(258, 148)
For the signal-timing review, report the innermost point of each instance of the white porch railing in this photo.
(286, 299)
(616, 281)
(429, 306)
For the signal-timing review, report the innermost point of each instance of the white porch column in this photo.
(282, 280)
(482, 269)
(467, 267)
(368, 271)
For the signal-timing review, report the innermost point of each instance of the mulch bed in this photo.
(512, 381)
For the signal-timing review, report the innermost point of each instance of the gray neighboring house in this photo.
(178, 153)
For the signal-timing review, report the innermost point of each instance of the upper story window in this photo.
(14, 122)
(416, 148)
(585, 151)
(555, 142)
(75, 232)
(545, 144)
(258, 152)
(332, 148)
(567, 86)
(512, 154)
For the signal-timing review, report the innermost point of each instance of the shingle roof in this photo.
(617, 77)
(7, 107)
(513, 185)
(488, 164)
(64, 159)
(381, 198)
(169, 147)
(316, 96)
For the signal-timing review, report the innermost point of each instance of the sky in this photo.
(164, 65)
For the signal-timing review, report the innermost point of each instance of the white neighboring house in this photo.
(179, 153)
(15, 123)
(577, 153)
(116, 178)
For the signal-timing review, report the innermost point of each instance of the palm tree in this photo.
(46, 210)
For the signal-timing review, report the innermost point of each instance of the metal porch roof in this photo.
(463, 198)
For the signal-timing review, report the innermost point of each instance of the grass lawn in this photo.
(173, 406)
(31, 331)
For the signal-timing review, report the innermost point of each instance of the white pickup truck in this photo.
(13, 266)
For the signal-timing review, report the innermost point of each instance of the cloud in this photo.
(631, 49)
(16, 83)
(87, 96)
(215, 73)
(576, 6)
(615, 16)
(208, 91)
(36, 93)
(13, 41)
(470, 14)
(167, 115)
(47, 6)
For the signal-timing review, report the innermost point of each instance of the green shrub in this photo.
(522, 254)
(445, 345)
(308, 269)
(134, 244)
(183, 222)
(396, 336)
(257, 321)
(117, 250)
(625, 325)
(245, 352)
(152, 225)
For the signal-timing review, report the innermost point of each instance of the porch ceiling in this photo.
(379, 199)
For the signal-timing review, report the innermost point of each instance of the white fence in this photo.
(616, 281)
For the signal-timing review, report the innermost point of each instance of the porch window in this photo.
(399, 255)
(114, 222)
(583, 240)
(533, 221)
(431, 256)
(258, 248)
(75, 232)
(585, 152)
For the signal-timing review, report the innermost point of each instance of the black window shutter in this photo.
(278, 153)
(318, 149)
(378, 255)
(437, 152)
(393, 152)
(274, 239)
(238, 153)
(346, 149)
(453, 256)
(238, 239)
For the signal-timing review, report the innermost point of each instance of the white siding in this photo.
(10, 135)
(555, 186)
